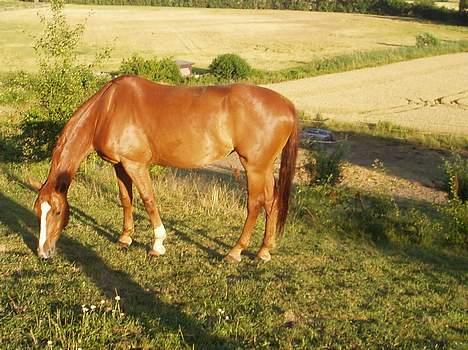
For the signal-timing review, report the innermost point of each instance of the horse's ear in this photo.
(34, 184)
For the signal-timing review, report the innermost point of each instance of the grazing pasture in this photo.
(321, 289)
(378, 261)
(268, 39)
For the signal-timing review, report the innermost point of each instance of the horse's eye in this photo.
(58, 213)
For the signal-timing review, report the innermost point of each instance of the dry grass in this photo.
(427, 94)
(450, 4)
(267, 39)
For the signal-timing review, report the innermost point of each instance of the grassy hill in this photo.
(323, 289)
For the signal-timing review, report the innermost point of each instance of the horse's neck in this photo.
(74, 144)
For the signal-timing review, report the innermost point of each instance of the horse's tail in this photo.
(286, 175)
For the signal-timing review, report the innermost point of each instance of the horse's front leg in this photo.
(126, 198)
(140, 176)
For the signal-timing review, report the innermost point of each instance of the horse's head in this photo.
(52, 210)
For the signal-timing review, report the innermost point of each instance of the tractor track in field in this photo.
(427, 94)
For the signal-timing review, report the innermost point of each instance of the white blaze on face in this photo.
(159, 236)
(45, 207)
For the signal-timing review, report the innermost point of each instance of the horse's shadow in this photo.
(174, 225)
(20, 220)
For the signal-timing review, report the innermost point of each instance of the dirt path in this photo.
(429, 94)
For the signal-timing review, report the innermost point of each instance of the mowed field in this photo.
(268, 39)
(428, 94)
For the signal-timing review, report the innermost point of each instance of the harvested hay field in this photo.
(428, 94)
(268, 39)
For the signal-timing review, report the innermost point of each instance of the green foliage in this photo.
(16, 89)
(230, 67)
(62, 88)
(455, 211)
(455, 214)
(323, 166)
(391, 7)
(38, 135)
(159, 70)
(426, 39)
(61, 84)
(378, 218)
(456, 177)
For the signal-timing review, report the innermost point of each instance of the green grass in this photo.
(323, 289)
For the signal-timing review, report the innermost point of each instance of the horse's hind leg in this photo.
(140, 176)
(126, 198)
(256, 199)
(271, 213)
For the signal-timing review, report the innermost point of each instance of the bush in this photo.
(456, 177)
(230, 67)
(455, 227)
(163, 70)
(392, 7)
(61, 84)
(38, 134)
(426, 39)
(324, 166)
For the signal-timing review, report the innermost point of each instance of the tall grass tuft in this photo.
(456, 176)
(324, 166)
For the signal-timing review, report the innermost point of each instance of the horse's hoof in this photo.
(154, 253)
(264, 256)
(233, 259)
(124, 242)
(123, 245)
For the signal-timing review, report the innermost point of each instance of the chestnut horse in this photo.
(133, 123)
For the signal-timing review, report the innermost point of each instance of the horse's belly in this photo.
(191, 155)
